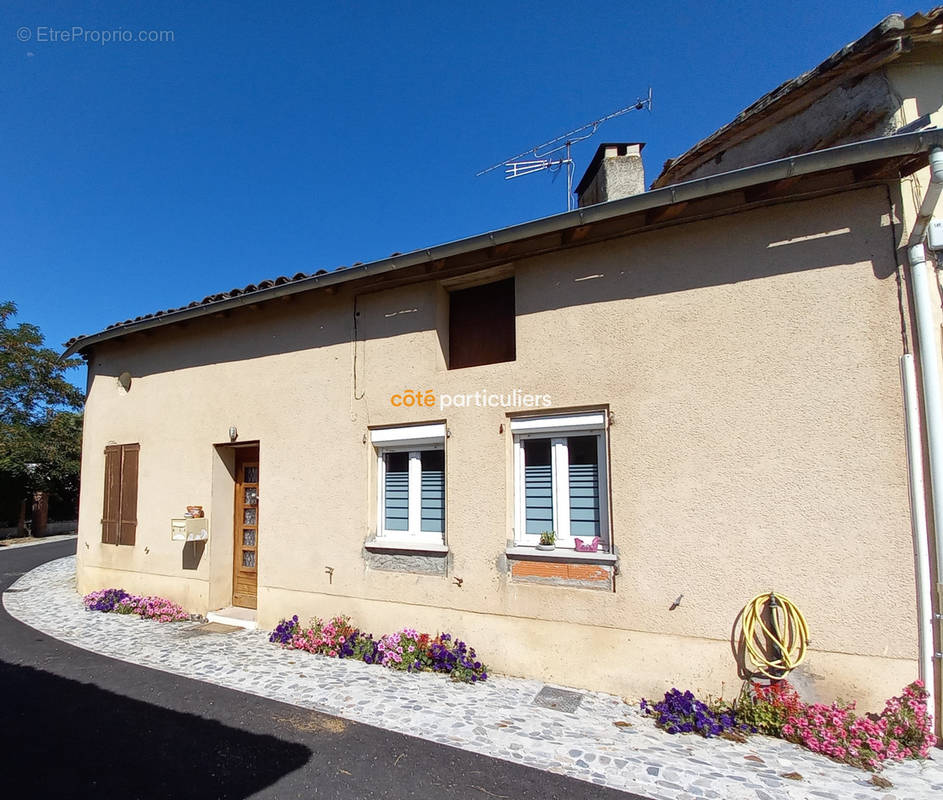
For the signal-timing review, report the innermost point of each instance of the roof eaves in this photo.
(820, 160)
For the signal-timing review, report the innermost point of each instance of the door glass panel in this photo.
(250, 516)
(248, 538)
(250, 474)
(251, 496)
(248, 558)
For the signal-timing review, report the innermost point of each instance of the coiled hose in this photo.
(779, 647)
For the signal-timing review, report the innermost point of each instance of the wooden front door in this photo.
(246, 532)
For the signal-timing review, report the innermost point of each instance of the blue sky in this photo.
(270, 139)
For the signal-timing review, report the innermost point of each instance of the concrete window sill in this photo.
(560, 555)
(406, 546)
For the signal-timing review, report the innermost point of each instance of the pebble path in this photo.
(604, 741)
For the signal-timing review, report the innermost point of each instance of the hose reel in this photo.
(775, 635)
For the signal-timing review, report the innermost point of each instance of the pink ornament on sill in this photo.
(586, 547)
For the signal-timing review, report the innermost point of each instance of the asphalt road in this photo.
(77, 724)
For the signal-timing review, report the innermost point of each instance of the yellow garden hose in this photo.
(785, 638)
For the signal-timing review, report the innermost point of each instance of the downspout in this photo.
(921, 272)
(918, 516)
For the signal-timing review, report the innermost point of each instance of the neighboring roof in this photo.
(884, 42)
(623, 148)
(762, 183)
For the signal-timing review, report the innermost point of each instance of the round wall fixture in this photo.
(124, 381)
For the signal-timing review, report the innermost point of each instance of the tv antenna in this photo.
(543, 158)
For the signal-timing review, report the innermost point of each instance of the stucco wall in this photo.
(751, 367)
(861, 109)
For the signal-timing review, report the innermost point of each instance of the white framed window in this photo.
(410, 483)
(560, 479)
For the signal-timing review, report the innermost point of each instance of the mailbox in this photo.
(190, 530)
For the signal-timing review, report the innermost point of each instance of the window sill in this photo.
(560, 555)
(405, 545)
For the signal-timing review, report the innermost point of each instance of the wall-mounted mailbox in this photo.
(190, 530)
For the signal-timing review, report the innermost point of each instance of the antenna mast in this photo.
(514, 167)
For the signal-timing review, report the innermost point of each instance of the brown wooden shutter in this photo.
(128, 506)
(481, 325)
(110, 509)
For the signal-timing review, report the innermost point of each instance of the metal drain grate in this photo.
(558, 699)
(211, 627)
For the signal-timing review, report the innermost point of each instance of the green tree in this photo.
(40, 422)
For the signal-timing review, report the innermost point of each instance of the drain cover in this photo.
(22, 589)
(558, 699)
(211, 627)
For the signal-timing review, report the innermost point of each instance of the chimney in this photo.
(615, 171)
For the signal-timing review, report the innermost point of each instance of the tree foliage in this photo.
(40, 421)
(32, 377)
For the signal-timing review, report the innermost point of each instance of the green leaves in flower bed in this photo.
(766, 709)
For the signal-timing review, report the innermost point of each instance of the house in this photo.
(886, 82)
(705, 376)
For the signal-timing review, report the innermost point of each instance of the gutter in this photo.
(832, 158)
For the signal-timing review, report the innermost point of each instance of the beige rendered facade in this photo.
(748, 365)
(733, 341)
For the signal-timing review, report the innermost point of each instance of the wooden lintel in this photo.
(665, 213)
(875, 170)
(576, 234)
(766, 191)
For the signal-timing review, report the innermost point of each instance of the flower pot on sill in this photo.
(546, 547)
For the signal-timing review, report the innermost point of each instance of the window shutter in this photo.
(482, 325)
(110, 508)
(128, 507)
(432, 509)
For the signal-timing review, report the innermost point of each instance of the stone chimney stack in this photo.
(615, 171)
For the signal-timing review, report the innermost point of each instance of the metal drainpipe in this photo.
(927, 335)
(918, 516)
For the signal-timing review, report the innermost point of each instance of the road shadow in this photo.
(64, 738)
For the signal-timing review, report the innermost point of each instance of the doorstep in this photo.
(233, 615)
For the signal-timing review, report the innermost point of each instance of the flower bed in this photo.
(406, 650)
(121, 602)
(902, 730)
(682, 712)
